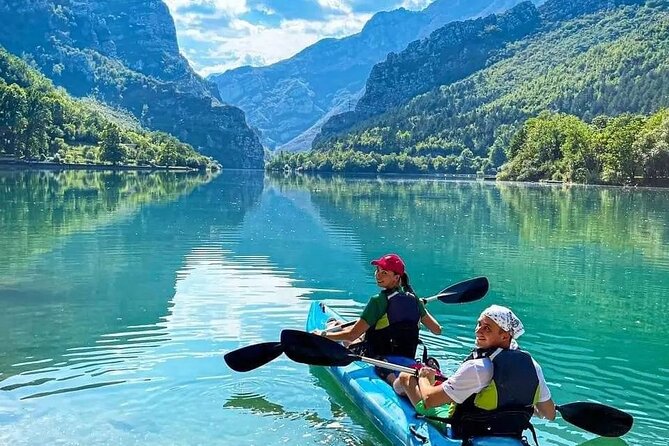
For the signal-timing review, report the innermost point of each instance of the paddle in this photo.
(253, 356)
(597, 418)
(312, 349)
(308, 348)
(462, 292)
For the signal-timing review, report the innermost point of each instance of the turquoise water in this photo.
(120, 293)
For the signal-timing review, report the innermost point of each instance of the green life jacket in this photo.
(396, 332)
(505, 406)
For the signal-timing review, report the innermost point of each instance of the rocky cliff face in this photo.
(289, 100)
(449, 54)
(125, 52)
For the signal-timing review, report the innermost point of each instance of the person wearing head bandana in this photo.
(495, 391)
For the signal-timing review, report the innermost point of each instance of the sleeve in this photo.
(421, 308)
(373, 311)
(544, 391)
(470, 378)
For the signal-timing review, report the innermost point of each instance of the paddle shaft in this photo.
(437, 296)
(386, 365)
(337, 328)
(254, 356)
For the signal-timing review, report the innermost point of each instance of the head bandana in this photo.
(507, 321)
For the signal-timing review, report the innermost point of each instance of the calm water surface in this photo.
(120, 293)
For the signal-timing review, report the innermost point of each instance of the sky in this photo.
(217, 35)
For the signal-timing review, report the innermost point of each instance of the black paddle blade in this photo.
(252, 356)
(312, 349)
(605, 421)
(465, 291)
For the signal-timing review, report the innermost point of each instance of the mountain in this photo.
(450, 53)
(287, 101)
(38, 121)
(125, 53)
(584, 57)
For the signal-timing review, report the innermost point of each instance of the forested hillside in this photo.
(289, 100)
(621, 150)
(125, 53)
(587, 59)
(40, 122)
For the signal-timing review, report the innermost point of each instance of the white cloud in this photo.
(264, 8)
(415, 5)
(250, 44)
(216, 35)
(230, 8)
(336, 5)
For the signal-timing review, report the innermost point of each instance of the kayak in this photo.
(393, 415)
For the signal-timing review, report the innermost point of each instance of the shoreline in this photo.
(657, 183)
(46, 165)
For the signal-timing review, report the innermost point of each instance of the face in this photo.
(386, 279)
(488, 334)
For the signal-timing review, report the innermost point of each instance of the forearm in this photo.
(545, 409)
(431, 323)
(343, 335)
(349, 334)
(433, 396)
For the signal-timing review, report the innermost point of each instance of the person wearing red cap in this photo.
(390, 321)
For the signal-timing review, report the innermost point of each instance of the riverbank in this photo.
(46, 165)
(637, 182)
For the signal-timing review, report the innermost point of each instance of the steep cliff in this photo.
(441, 86)
(289, 100)
(450, 53)
(125, 53)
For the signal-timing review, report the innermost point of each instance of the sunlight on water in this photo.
(121, 295)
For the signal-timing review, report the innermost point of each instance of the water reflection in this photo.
(179, 285)
(586, 268)
(96, 268)
(120, 316)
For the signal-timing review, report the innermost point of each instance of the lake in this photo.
(120, 293)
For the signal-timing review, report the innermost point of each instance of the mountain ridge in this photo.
(125, 53)
(288, 98)
(436, 96)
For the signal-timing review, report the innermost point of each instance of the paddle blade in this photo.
(465, 291)
(599, 419)
(252, 356)
(308, 348)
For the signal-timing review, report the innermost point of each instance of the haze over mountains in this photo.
(289, 101)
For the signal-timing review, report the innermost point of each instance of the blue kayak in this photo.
(395, 417)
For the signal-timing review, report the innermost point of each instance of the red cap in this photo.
(390, 262)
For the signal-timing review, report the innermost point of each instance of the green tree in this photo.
(616, 145)
(110, 145)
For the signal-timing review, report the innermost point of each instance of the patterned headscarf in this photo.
(507, 321)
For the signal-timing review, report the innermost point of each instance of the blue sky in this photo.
(216, 35)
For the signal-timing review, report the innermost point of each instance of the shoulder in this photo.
(379, 299)
(471, 377)
(482, 368)
(375, 308)
(537, 367)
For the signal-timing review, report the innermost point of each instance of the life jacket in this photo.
(396, 332)
(505, 406)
